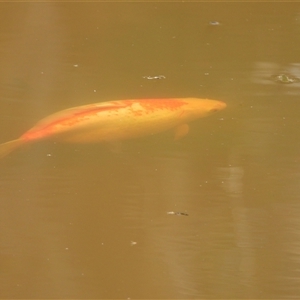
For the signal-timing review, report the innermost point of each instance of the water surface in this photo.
(82, 221)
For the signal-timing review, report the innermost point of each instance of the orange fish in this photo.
(117, 120)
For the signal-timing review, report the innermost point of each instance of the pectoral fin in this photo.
(181, 131)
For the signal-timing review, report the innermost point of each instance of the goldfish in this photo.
(117, 120)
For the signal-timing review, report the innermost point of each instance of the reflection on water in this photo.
(269, 73)
(80, 221)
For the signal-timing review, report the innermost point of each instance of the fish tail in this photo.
(10, 146)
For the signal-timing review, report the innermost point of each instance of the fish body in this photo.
(117, 120)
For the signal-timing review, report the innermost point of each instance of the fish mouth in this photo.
(219, 106)
(222, 105)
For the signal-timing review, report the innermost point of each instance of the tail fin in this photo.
(8, 147)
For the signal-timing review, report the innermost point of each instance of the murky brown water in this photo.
(85, 222)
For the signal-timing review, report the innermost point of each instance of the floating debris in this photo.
(214, 23)
(177, 213)
(285, 78)
(155, 77)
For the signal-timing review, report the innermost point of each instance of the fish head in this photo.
(200, 108)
